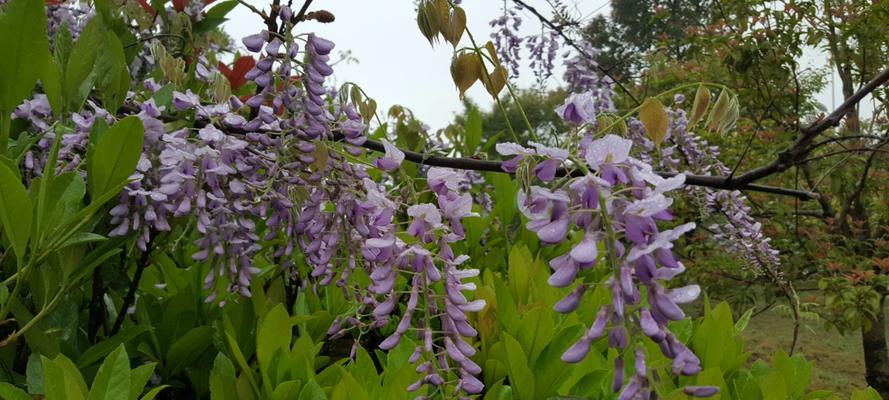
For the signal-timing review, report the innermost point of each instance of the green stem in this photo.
(609, 230)
(522, 111)
(4, 311)
(43, 312)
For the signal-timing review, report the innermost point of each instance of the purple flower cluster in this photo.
(616, 207)
(542, 48)
(739, 232)
(507, 40)
(582, 76)
(74, 143)
(428, 263)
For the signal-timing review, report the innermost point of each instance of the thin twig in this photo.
(144, 262)
(572, 43)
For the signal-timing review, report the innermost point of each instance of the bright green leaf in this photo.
(113, 379)
(115, 156)
(15, 210)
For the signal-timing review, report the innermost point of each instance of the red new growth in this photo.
(236, 74)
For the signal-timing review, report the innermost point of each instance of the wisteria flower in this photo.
(392, 159)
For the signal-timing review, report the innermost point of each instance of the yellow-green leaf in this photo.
(465, 70)
(719, 111)
(455, 27)
(497, 80)
(655, 120)
(701, 104)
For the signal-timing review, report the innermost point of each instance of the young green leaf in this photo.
(655, 120)
(312, 391)
(62, 379)
(719, 111)
(115, 155)
(113, 379)
(473, 131)
(139, 378)
(15, 210)
(10, 392)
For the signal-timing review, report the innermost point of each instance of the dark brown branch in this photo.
(801, 148)
(143, 263)
(570, 42)
(715, 182)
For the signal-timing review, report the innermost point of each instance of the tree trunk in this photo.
(876, 354)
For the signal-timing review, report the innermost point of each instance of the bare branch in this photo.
(797, 152)
(570, 42)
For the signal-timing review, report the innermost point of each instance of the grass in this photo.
(838, 360)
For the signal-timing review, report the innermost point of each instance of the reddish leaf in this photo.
(147, 7)
(207, 2)
(179, 5)
(236, 74)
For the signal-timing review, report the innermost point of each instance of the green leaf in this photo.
(154, 392)
(473, 131)
(774, 387)
(274, 333)
(348, 389)
(189, 347)
(215, 16)
(34, 374)
(312, 391)
(77, 82)
(139, 378)
(116, 155)
(62, 379)
(742, 322)
(15, 210)
(99, 350)
(51, 81)
(246, 371)
(223, 382)
(866, 394)
(520, 260)
(25, 49)
(286, 390)
(520, 375)
(57, 201)
(10, 392)
(113, 379)
(112, 75)
(63, 43)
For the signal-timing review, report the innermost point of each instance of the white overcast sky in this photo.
(395, 63)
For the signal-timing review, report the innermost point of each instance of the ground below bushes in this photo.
(838, 360)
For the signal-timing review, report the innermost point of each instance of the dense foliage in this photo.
(187, 215)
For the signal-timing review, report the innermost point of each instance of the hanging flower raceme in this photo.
(617, 206)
